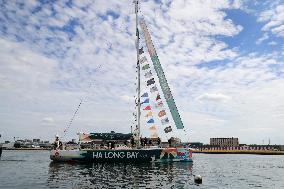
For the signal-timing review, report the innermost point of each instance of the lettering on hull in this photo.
(115, 155)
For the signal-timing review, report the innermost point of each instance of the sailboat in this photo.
(138, 151)
(0, 148)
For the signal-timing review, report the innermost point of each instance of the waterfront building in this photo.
(195, 144)
(35, 143)
(36, 140)
(8, 145)
(175, 141)
(224, 142)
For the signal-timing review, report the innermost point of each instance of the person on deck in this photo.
(57, 143)
(141, 141)
(125, 142)
(109, 145)
(102, 145)
(112, 145)
(170, 142)
(150, 142)
(145, 142)
(159, 141)
(132, 142)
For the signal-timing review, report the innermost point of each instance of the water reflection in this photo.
(119, 175)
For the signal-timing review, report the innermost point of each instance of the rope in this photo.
(71, 120)
(78, 107)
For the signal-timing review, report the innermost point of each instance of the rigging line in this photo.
(78, 107)
(185, 133)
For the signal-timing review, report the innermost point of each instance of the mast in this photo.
(138, 71)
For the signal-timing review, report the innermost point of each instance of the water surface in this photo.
(33, 169)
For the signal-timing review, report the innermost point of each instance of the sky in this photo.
(223, 59)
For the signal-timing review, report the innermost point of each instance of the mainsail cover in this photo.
(162, 79)
(88, 137)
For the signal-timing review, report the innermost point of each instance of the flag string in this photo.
(79, 105)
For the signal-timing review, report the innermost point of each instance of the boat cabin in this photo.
(114, 140)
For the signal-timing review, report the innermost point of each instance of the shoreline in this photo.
(22, 149)
(257, 152)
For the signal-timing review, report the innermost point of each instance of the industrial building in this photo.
(224, 142)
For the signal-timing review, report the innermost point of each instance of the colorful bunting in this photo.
(158, 97)
(141, 51)
(147, 108)
(162, 113)
(168, 129)
(145, 101)
(153, 89)
(162, 79)
(145, 95)
(159, 104)
(149, 114)
(150, 81)
(145, 67)
(148, 74)
(150, 121)
(153, 128)
(165, 121)
(143, 59)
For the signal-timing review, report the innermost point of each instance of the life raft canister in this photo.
(190, 153)
(56, 153)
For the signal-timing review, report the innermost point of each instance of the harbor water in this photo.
(33, 169)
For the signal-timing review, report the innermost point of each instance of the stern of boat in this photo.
(66, 155)
(178, 154)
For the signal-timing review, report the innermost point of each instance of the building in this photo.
(36, 140)
(281, 147)
(175, 141)
(195, 144)
(8, 145)
(224, 142)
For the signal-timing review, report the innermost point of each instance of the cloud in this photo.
(251, 87)
(272, 43)
(189, 34)
(48, 120)
(22, 68)
(263, 38)
(127, 98)
(274, 20)
(50, 52)
(217, 97)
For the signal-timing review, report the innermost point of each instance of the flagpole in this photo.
(138, 71)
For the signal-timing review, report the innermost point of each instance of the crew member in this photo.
(132, 142)
(112, 145)
(141, 141)
(57, 143)
(125, 142)
(145, 141)
(159, 141)
(150, 142)
(170, 142)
